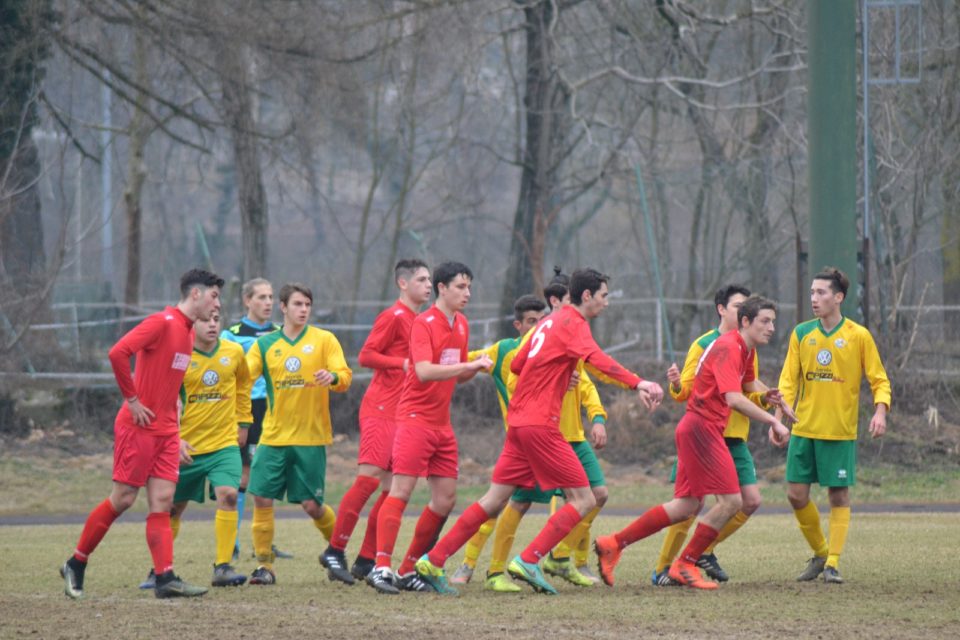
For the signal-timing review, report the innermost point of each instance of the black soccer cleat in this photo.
(708, 562)
(263, 576)
(362, 567)
(170, 585)
(336, 565)
(72, 573)
(382, 579)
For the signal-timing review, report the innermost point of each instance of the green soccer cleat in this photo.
(170, 585)
(588, 573)
(72, 574)
(531, 574)
(813, 569)
(500, 583)
(462, 575)
(566, 570)
(435, 577)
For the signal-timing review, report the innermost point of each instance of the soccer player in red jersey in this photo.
(704, 463)
(387, 352)
(424, 444)
(535, 451)
(147, 449)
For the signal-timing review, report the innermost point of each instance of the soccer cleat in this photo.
(608, 555)
(687, 574)
(832, 576)
(283, 555)
(500, 583)
(170, 585)
(264, 576)
(72, 574)
(336, 566)
(462, 575)
(566, 570)
(150, 581)
(663, 578)
(362, 567)
(814, 568)
(226, 576)
(413, 582)
(530, 573)
(382, 579)
(708, 562)
(435, 577)
(588, 573)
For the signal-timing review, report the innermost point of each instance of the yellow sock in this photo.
(839, 524)
(563, 550)
(506, 531)
(326, 522)
(225, 531)
(262, 530)
(738, 520)
(475, 545)
(581, 555)
(809, 520)
(672, 541)
(174, 526)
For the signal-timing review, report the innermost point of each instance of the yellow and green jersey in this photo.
(298, 409)
(738, 425)
(584, 395)
(821, 376)
(216, 397)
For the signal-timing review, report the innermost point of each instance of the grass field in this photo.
(901, 571)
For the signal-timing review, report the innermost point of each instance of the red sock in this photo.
(467, 525)
(556, 529)
(160, 541)
(349, 511)
(388, 526)
(369, 547)
(96, 526)
(423, 536)
(703, 535)
(646, 525)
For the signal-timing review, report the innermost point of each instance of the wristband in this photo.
(132, 399)
(599, 419)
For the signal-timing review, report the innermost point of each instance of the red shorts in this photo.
(376, 441)
(424, 452)
(539, 455)
(704, 464)
(137, 455)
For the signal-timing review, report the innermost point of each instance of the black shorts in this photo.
(259, 408)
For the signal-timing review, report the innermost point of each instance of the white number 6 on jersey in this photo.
(536, 342)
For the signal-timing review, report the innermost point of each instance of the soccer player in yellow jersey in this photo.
(216, 403)
(527, 312)
(727, 303)
(582, 393)
(301, 365)
(826, 361)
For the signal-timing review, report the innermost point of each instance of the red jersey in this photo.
(545, 363)
(384, 351)
(725, 366)
(163, 344)
(432, 338)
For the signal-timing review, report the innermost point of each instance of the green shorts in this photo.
(298, 472)
(222, 468)
(829, 463)
(742, 460)
(591, 465)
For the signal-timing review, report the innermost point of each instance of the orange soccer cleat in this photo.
(608, 555)
(687, 574)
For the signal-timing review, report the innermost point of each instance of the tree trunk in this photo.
(136, 174)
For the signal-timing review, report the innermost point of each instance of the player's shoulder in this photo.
(233, 330)
(706, 339)
(804, 329)
(268, 340)
(229, 349)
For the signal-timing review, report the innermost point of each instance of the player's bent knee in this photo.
(601, 495)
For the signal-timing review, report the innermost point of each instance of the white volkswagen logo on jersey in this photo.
(292, 364)
(824, 357)
(308, 348)
(224, 360)
(210, 378)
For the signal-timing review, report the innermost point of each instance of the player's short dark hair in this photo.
(246, 291)
(558, 286)
(527, 303)
(585, 280)
(407, 267)
(198, 278)
(445, 272)
(723, 294)
(839, 282)
(291, 288)
(752, 306)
